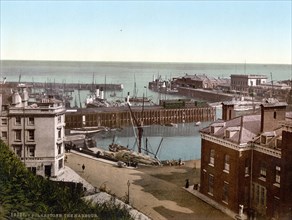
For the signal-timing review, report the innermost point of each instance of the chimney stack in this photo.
(272, 111)
(227, 110)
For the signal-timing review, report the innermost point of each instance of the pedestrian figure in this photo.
(187, 183)
(179, 161)
(83, 167)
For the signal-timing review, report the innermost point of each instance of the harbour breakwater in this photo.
(206, 95)
(121, 116)
(66, 86)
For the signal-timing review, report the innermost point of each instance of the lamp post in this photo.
(128, 184)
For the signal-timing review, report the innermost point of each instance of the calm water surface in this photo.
(181, 142)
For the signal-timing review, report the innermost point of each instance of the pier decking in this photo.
(121, 116)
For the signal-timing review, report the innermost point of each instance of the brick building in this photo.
(247, 161)
(199, 81)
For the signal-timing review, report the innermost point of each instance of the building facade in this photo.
(246, 161)
(198, 81)
(35, 132)
(241, 82)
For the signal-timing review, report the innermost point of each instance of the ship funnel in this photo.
(128, 98)
(101, 93)
(97, 92)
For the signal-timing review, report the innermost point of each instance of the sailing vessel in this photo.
(135, 100)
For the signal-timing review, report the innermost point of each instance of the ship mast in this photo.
(139, 128)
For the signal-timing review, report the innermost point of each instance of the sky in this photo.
(151, 31)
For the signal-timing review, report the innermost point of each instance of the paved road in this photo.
(156, 192)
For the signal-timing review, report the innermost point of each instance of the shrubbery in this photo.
(22, 195)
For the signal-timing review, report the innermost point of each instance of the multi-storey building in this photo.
(200, 81)
(247, 161)
(242, 83)
(35, 132)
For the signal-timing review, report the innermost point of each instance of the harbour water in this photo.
(177, 142)
(182, 141)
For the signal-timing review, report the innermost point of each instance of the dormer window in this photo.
(216, 127)
(229, 132)
(267, 137)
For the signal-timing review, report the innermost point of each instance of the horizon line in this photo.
(115, 61)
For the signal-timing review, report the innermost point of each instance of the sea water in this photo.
(182, 141)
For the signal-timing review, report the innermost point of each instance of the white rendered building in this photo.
(35, 132)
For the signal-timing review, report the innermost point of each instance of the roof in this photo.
(249, 76)
(200, 77)
(244, 129)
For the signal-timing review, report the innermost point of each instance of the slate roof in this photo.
(244, 128)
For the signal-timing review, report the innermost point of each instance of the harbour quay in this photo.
(117, 117)
(203, 94)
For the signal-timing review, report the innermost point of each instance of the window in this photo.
(275, 114)
(59, 146)
(4, 135)
(225, 192)
(59, 133)
(257, 194)
(31, 121)
(32, 169)
(59, 119)
(31, 151)
(263, 139)
(60, 164)
(263, 172)
(31, 135)
(4, 121)
(230, 113)
(211, 184)
(17, 135)
(17, 150)
(226, 163)
(212, 157)
(278, 174)
(18, 120)
(262, 195)
(246, 169)
(246, 196)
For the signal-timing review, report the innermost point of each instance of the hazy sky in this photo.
(159, 31)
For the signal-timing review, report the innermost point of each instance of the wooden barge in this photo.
(117, 117)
